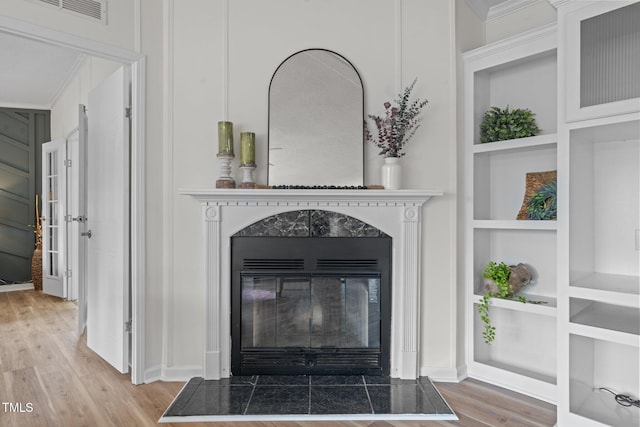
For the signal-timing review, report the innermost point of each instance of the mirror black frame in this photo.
(361, 183)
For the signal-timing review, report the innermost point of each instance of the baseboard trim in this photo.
(17, 287)
(153, 374)
(444, 375)
(181, 373)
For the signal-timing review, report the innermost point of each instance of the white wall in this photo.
(388, 51)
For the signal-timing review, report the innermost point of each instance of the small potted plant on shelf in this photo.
(503, 124)
(501, 281)
(393, 131)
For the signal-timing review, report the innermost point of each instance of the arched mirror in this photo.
(316, 107)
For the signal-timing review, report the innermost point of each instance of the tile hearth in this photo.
(269, 397)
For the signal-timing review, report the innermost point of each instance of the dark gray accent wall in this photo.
(22, 133)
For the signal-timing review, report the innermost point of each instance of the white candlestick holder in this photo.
(247, 175)
(225, 180)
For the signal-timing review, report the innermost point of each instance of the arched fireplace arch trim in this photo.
(310, 223)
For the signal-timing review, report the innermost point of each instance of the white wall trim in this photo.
(94, 48)
(398, 31)
(181, 373)
(153, 374)
(508, 7)
(137, 22)
(443, 374)
(168, 180)
(483, 11)
(453, 162)
(16, 287)
(225, 60)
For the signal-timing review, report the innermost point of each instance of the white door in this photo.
(108, 275)
(77, 146)
(54, 177)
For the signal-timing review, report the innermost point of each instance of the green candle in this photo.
(247, 148)
(225, 137)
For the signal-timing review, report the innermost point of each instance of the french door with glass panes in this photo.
(54, 177)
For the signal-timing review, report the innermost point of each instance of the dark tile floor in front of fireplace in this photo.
(310, 395)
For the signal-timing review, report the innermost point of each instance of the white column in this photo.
(410, 292)
(212, 356)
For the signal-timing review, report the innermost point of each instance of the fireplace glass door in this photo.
(318, 323)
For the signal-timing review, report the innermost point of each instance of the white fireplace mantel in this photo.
(398, 213)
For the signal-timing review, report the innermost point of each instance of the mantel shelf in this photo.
(350, 197)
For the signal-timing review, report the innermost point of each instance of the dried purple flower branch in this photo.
(397, 126)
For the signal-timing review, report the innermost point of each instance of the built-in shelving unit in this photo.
(583, 343)
(599, 212)
(601, 279)
(520, 72)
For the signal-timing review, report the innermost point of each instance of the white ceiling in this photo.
(34, 73)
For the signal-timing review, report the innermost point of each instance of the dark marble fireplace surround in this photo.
(310, 295)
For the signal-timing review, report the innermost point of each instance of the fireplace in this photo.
(310, 295)
(397, 213)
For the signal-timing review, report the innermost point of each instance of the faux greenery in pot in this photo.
(501, 281)
(398, 124)
(501, 125)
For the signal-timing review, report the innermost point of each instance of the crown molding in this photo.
(508, 7)
(558, 3)
(487, 13)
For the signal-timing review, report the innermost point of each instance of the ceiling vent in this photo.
(93, 9)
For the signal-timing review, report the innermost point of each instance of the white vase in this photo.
(391, 173)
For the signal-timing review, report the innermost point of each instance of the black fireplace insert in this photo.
(310, 305)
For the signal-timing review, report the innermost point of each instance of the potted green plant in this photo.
(503, 124)
(501, 281)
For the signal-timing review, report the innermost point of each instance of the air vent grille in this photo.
(273, 264)
(94, 9)
(347, 264)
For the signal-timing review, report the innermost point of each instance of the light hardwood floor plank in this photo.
(43, 362)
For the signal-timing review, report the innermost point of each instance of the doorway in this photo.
(136, 70)
(22, 132)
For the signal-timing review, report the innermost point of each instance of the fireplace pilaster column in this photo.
(212, 355)
(410, 292)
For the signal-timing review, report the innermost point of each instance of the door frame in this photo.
(137, 176)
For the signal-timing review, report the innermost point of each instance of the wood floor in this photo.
(50, 378)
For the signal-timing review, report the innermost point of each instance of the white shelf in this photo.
(547, 308)
(603, 334)
(492, 224)
(608, 288)
(597, 363)
(605, 321)
(601, 406)
(532, 142)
